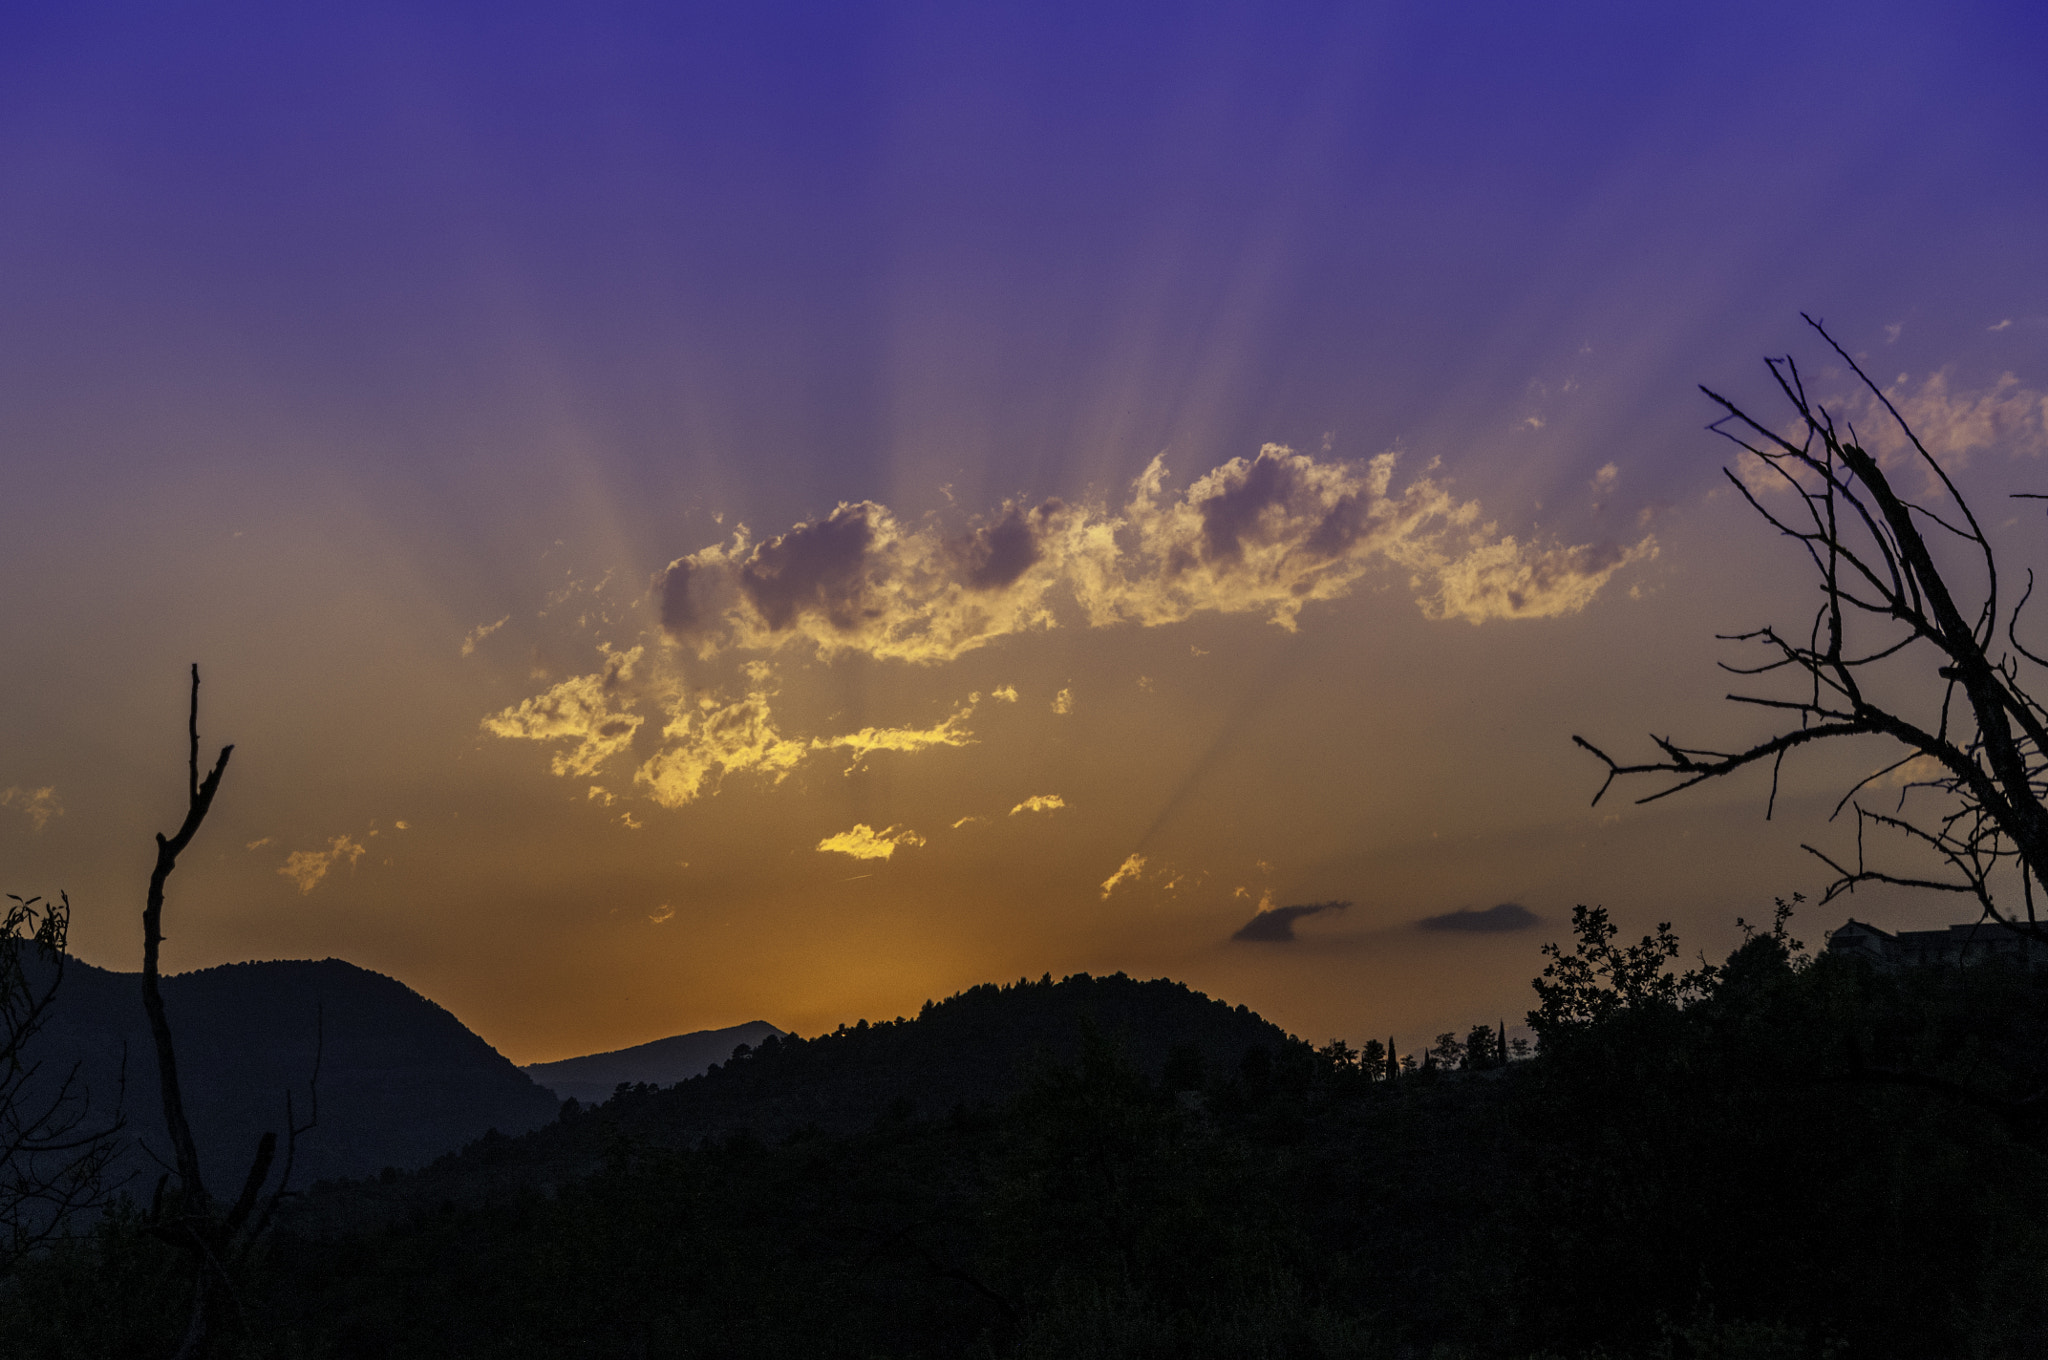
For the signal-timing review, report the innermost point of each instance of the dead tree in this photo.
(56, 1157)
(1912, 642)
(214, 1238)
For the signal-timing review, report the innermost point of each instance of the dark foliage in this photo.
(1775, 1157)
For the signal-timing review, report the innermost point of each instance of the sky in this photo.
(693, 514)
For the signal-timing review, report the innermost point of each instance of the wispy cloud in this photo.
(864, 842)
(307, 867)
(590, 711)
(41, 806)
(1127, 872)
(1954, 424)
(480, 632)
(1041, 802)
(868, 740)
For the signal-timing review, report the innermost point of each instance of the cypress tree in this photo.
(1502, 1032)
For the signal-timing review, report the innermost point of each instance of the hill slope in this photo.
(970, 1054)
(400, 1079)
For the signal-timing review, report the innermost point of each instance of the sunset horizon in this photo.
(713, 517)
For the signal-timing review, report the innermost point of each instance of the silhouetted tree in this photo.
(214, 1239)
(1597, 979)
(1372, 1060)
(1911, 641)
(1479, 1047)
(55, 1156)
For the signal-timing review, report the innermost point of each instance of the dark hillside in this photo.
(401, 1080)
(965, 1056)
(1772, 1159)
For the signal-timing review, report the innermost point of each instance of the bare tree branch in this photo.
(1890, 612)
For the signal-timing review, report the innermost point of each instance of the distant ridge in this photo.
(592, 1079)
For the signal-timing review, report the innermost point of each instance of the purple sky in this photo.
(384, 365)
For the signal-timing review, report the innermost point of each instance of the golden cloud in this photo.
(1127, 872)
(589, 710)
(871, 739)
(1266, 536)
(864, 842)
(1042, 802)
(706, 740)
(307, 867)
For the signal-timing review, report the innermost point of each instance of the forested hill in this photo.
(1775, 1158)
(968, 1055)
(401, 1080)
(977, 1048)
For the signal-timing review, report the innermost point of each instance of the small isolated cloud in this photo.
(1063, 702)
(41, 806)
(1041, 802)
(401, 825)
(1605, 478)
(1008, 694)
(1891, 332)
(1127, 872)
(2003, 325)
(1492, 921)
(969, 821)
(480, 632)
(864, 842)
(661, 913)
(1277, 923)
(259, 844)
(602, 796)
(307, 867)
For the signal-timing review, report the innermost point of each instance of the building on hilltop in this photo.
(1972, 943)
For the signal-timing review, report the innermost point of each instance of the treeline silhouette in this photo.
(1770, 1157)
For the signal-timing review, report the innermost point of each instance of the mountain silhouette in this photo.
(401, 1080)
(664, 1062)
(966, 1057)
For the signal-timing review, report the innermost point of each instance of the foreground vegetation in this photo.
(1769, 1158)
